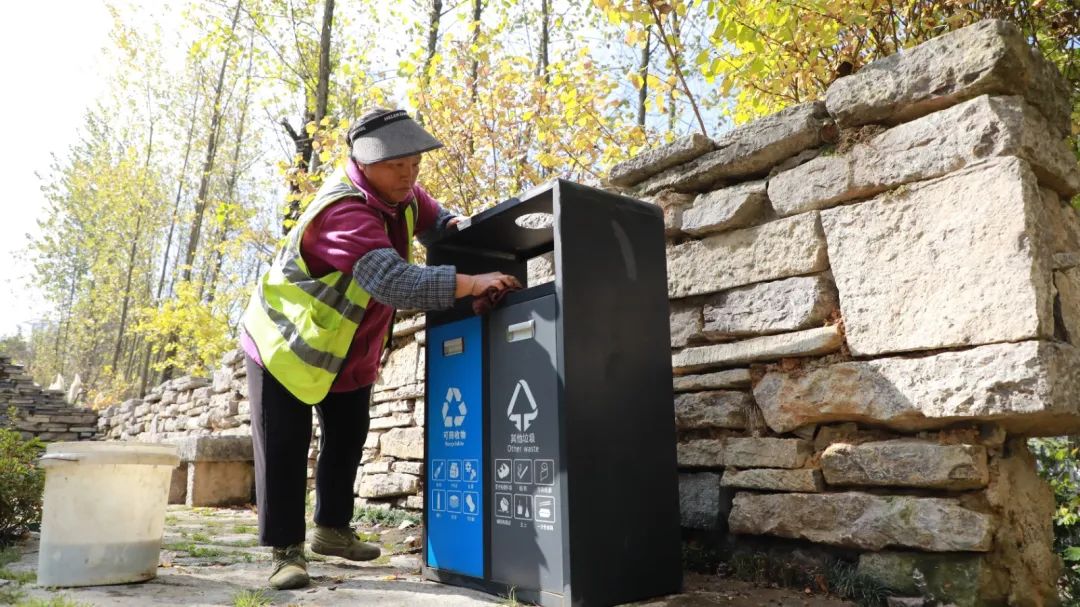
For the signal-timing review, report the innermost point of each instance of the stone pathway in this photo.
(209, 557)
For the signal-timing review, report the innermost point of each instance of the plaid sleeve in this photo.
(392, 281)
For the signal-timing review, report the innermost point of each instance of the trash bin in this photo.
(104, 512)
(550, 467)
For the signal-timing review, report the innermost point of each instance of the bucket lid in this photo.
(111, 452)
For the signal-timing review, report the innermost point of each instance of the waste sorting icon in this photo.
(453, 409)
(522, 415)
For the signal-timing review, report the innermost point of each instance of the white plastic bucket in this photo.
(104, 512)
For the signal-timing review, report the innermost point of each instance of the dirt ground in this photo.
(211, 557)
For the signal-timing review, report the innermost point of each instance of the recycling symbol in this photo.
(524, 414)
(450, 419)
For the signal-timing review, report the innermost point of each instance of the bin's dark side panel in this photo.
(617, 398)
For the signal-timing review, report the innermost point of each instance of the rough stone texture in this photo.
(699, 500)
(685, 322)
(388, 485)
(404, 443)
(751, 149)
(402, 367)
(991, 56)
(229, 483)
(779, 249)
(725, 209)
(864, 521)
(930, 147)
(785, 305)
(1028, 388)
(721, 380)
(767, 452)
(765, 479)
(958, 579)
(215, 448)
(178, 485)
(906, 463)
(701, 453)
(944, 275)
(674, 205)
(717, 409)
(1023, 559)
(643, 166)
(811, 342)
(1067, 303)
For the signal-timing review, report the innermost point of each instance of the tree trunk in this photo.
(434, 16)
(545, 34)
(211, 151)
(643, 72)
(474, 66)
(322, 90)
(131, 256)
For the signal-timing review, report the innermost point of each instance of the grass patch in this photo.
(387, 517)
(11, 596)
(839, 577)
(251, 598)
(19, 577)
(200, 537)
(248, 529)
(846, 581)
(240, 543)
(382, 560)
(171, 520)
(9, 555)
(196, 551)
(53, 601)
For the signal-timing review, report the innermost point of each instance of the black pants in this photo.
(281, 433)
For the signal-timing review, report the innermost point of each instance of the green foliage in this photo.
(837, 577)
(1059, 463)
(52, 601)
(385, 517)
(23, 484)
(845, 581)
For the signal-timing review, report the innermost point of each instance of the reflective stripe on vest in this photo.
(303, 326)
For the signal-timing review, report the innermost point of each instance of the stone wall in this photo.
(875, 301)
(41, 413)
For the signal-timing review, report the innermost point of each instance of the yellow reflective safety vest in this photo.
(303, 325)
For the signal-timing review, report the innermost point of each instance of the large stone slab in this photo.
(220, 483)
(964, 580)
(779, 249)
(767, 452)
(715, 409)
(811, 342)
(388, 485)
(864, 521)
(1030, 388)
(700, 500)
(701, 453)
(991, 56)
(749, 150)
(403, 443)
(781, 306)
(930, 147)
(957, 261)
(215, 448)
(766, 479)
(721, 380)
(647, 164)
(906, 463)
(725, 209)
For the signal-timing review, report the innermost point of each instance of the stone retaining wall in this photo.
(874, 303)
(41, 413)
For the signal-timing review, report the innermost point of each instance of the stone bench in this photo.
(214, 471)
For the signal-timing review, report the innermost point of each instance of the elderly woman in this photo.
(317, 325)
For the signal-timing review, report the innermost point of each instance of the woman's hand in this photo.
(476, 284)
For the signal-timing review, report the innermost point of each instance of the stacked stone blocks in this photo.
(874, 304)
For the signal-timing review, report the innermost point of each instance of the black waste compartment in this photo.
(549, 442)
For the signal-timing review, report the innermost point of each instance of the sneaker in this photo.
(290, 568)
(343, 542)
